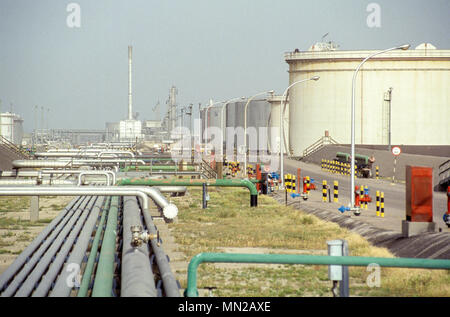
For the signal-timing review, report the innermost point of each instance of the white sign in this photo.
(396, 151)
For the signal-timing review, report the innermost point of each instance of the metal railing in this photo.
(191, 290)
(325, 140)
(14, 148)
(444, 173)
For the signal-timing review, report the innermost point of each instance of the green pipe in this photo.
(157, 168)
(191, 290)
(103, 282)
(196, 182)
(84, 286)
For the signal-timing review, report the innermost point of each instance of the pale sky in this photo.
(207, 48)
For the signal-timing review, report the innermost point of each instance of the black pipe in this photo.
(253, 200)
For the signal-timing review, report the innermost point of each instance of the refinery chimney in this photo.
(130, 98)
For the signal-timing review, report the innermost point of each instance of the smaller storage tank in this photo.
(274, 124)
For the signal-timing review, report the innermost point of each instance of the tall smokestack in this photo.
(130, 98)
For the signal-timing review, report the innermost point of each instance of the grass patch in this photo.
(230, 222)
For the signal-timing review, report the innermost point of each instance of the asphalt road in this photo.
(394, 196)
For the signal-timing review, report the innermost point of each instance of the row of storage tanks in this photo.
(416, 112)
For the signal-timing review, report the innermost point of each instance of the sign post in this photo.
(396, 152)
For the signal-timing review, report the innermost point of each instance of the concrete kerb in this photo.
(427, 245)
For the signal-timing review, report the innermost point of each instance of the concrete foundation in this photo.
(411, 228)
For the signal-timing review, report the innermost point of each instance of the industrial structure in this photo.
(11, 127)
(402, 97)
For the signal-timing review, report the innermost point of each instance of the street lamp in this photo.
(352, 167)
(223, 117)
(283, 101)
(206, 119)
(245, 124)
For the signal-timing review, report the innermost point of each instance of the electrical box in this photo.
(419, 194)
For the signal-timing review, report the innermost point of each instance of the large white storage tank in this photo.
(420, 101)
(11, 127)
(274, 124)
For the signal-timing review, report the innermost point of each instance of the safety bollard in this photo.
(298, 186)
(293, 183)
(382, 204)
(308, 184)
(377, 172)
(366, 197)
(357, 196)
(324, 191)
(378, 203)
(336, 191)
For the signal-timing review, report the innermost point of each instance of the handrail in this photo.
(13, 148)
(191, 290)
(318, 144)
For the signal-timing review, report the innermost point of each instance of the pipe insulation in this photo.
(25, 271)
(137, 279)
(103, 282)
(73, 263)
(46, 234)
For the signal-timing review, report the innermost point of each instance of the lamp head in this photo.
(315, 78)
(404, 47)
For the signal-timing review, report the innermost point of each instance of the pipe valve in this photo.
(139, 236)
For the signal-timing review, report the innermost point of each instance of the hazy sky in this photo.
(217, 49)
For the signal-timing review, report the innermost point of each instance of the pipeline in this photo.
(87, 275)
(11, 182)
(80, 233)
(103, 282)
(169, 210)
(55, 237)
(217, 182)
(41, 173)
(137, 278)
(45, 237)
(18, 164)
(152, 168)
(191, 290)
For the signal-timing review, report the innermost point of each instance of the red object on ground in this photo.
(419, 194)
(258, 176)
(357, 196)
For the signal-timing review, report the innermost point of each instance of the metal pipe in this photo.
(157, 168)
(71, 163)
(191, 290)
(216, 182)
(80, 176)
(10, 182)
(137, 278)
(62, 287)
(86, 280)
(53, 172)
(170, 284)
(46, 234)
(103, 282)
(30, 263)
(81, 233)
(169, 210)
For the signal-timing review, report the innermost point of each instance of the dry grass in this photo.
(230, 222)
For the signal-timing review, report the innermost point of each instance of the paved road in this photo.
(394, 196)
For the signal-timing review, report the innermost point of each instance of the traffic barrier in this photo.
(378, 203)
(324, 191)
(336, 191)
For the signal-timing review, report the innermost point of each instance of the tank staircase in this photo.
(207, 170)
(10, 152)
(444, 174)
(316, 146)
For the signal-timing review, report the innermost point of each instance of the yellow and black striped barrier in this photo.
(290, 184)
(377, 172)
(378, 203)
(335, 167)
(336, 191)
(382, 204)
(324, 191)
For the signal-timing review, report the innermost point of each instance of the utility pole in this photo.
(390, 118)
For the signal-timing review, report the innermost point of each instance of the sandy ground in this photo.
(14, 238)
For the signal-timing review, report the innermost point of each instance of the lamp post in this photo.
(223, 117)
(206, 119)
(245, 124)
(352, 167)
(283, 101)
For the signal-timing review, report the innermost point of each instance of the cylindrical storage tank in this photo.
(274, 124)
(419, 79)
